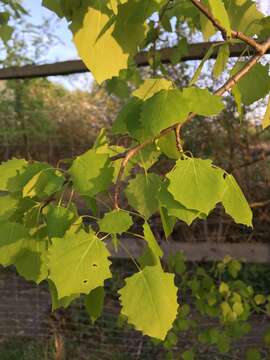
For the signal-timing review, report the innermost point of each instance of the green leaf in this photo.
(151, 240)
(244, 16)
(8, 206)
(6, 32)
(223, 288)
(253, 354)
(177, 263)
(59, 220)
(179, 51)
(266, 118)
(220, 13)
(91, 173)
(154, 291)
(167, 145)
(115, 222)
(238, 308)
(235, 203)
(266, 337)
(199, 100)
(141, 193)
(148, 258)
(174, 208)
(33, 217)
(85, 260)
(17, 183)
(31, 262)
(259, 299)
(223, 343)
(93, 303)
(60, 303)
(207, 27)
(196, 184)
(13, 239)
(222, 59)
(53, 5)
(9, 170)
(255, 84)
(152, 86)
(118, 87)
(130, 28)
(165, 108)
(188, 355)
(199, 68)
(168, 222)
(238, 101)
(44, 184)
(97, 53)
(147, 157)
(128, 118)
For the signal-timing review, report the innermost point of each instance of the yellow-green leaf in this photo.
(103, 56)
(235, 203)
(151, 87)
(266, 119)
(220, 13)
(78, 263)
(149, 300)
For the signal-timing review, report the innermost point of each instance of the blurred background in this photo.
(49, 119)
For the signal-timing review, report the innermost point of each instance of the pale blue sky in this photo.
(64, 51)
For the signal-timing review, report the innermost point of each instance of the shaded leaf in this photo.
(115, 222)
(141, 193)
(222, 59)
(166, 108)
(255, 84)
(59, 220)
(91, 173)
(44, 184)
(13, 239)
(9, 170)
(174, 208)
(93, 303)
(199, 100)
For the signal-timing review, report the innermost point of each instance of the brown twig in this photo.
(260, 204)
(221, 91)
(178, 138)
(235, 34)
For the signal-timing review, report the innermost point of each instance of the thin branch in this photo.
(260, 204)
(178, 138)
(235, 34)
(221, 91)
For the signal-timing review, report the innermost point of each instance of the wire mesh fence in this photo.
(26, 319)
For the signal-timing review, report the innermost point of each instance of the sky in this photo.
(66, 50)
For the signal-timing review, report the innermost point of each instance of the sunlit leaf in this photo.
(154, 291)
(98, 54)
(85, 260)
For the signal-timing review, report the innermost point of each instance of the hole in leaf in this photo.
(224, 176)
(94, 265)
(85, 281)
